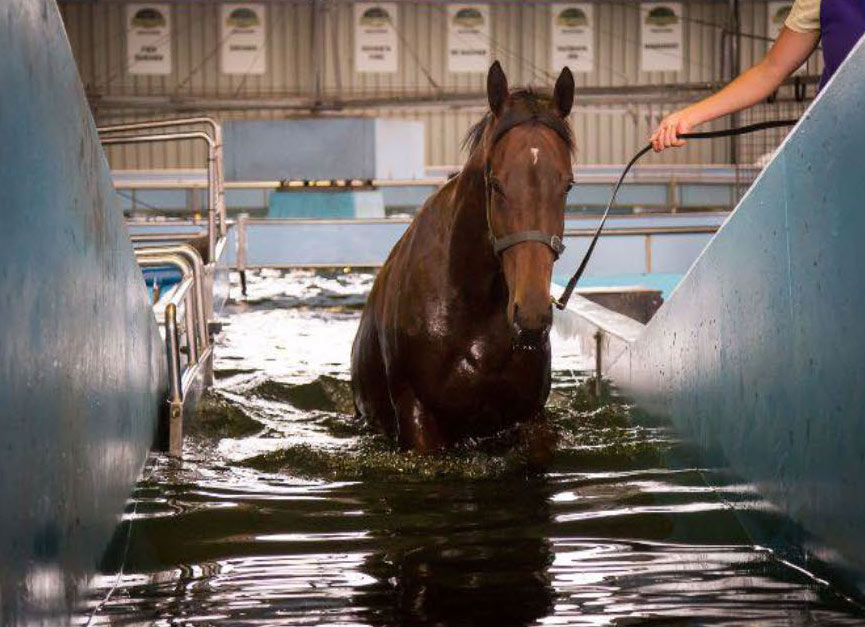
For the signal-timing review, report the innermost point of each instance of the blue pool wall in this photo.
(759, 354)
(82, 366)
(618, 256)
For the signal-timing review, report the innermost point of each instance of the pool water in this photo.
(287, 512)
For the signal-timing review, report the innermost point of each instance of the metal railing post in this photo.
(241, 250)
(673, 195)
(648, 252)
(175, 390)
(192, 340)
(599, 363)
(212, 208)
(220, 180)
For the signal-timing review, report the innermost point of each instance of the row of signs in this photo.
(377, 39)
(241, 38)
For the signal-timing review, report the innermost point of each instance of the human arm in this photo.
(789, 51)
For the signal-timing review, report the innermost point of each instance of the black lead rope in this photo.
(742, 130)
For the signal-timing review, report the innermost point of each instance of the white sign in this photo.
(468, 37)
(242, 33)
(661, 36)
(148, 38)
(375, 39)
(776, 15)
(573, 37)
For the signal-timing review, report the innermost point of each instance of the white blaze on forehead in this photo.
(535, 153)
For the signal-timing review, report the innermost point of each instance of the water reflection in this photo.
(471, 553)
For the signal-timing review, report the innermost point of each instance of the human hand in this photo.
(668, 131)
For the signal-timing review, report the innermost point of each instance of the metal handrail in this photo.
(172, 342)
(647, 230)
(243, 223)
(175, 380)
(191, 182)
(573, 232)
(211, 160)
(151, 258)
(189, 261)
(195, 346)
(184, 222)
(183, 293)
(191, 255)
(219, 175)
(167, 236)
(580, 178)
(190, 293)
(179, 379)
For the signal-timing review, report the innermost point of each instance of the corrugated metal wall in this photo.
(755, 147)
(520, 38)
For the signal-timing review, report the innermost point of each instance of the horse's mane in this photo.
(523, 105)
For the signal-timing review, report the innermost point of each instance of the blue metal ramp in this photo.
(82, 365)
(759, 354)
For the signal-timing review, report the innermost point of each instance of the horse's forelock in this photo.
(522, 106)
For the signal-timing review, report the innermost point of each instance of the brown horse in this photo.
(454, 339)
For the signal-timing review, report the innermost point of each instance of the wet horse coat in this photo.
(454, 339)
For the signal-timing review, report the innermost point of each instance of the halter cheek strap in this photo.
(501, 244)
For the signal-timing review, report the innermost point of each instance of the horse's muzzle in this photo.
(530, 339)
(531, 334)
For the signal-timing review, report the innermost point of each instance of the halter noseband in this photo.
(501, 244)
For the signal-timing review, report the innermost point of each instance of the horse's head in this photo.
(528, 145)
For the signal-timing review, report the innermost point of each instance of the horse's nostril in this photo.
(538, 323)
(547, 318)
(530, 339)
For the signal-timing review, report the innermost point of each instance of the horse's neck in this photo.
(472, 266)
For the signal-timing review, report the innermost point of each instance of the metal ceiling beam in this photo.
(639, 94)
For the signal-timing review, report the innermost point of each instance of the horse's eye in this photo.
(569, 187)
(497, 187)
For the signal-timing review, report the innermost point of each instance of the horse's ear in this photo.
(497, 88)
(563, 94)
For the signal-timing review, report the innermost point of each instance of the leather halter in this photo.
(501, 244)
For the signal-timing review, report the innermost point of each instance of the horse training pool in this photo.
(286, 512)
